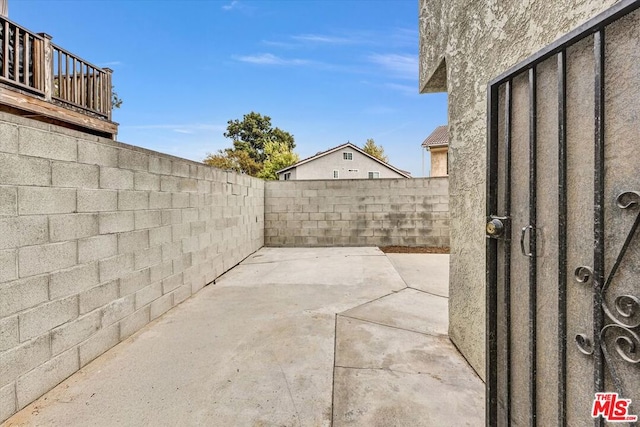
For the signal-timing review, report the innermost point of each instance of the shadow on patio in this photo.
(290, 337)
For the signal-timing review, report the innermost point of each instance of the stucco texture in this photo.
(463, 45)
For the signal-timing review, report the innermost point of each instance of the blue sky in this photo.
(326, 71)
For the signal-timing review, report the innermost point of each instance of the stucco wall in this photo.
(373, 212)
(358, 168)
(97, 239)
(463, 45)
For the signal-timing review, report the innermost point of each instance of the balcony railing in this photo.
(31, 63)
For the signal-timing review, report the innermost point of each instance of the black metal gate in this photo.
(563, 207)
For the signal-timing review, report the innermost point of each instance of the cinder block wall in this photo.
(97, 239)
(375, 212)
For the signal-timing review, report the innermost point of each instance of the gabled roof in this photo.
(440, 136)
(340, 147)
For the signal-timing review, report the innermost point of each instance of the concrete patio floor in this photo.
(290, 337)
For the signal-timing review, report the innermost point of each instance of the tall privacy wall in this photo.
(365, 212)
(97, 239)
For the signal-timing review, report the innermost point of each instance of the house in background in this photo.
(438, 145)
(345, 161)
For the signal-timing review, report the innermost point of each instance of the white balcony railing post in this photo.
(47, 66)
(108, 92)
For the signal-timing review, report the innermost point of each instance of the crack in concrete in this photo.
(387, 370)
(427, 292)
(288, 388)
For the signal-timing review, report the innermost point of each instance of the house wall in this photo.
(98, 238)
(438, 161)
(459, 41)
(373, 212)
(323, 167)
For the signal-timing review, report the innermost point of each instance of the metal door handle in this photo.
(522, 235)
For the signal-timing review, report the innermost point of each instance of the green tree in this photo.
(235, 160)
(278, 156)
(258, 149)
(253, 131)
(372, 149)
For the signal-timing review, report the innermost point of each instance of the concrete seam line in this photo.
(397, 327)
(427, 292)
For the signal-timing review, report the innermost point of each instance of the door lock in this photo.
(495, 227)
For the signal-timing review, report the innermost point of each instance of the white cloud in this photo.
(319, 38)
(185, 128)
(231, 5)
(401, 65)
(271, 59)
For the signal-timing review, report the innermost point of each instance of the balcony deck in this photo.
(45, 82)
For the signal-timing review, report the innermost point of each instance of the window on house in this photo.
(374, 175)
(336, 174)
(347, 156)
(287, 176)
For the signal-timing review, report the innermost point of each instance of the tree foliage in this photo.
(278, 156)
(377, 151)
(258, 149)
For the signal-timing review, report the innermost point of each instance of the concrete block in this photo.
(171, 216)
(171, 250)
(159, 200)
(135, 281)
(100, 342)
(188, 185)
(23, 294)
(76, 175)
(38, 143)
(46, 200)
(146, 181)
(160, 165)
(22, 359)
(46, 376)
(145, 258)
(161, 306)
(189, 215)
(133, 241)
(180, 231)
(72, 226)
(98, 296)
(8, 265)
(179, 200)
(181, 294)
(72, 333)
(9, 337)
(169, 183)
(97, 154)
(35, 260)
(116, 179)
(133, 200)
(117, 310)
(116, 222)
(147, 294)
(115, 267)
(97, 248)
(8, 201)
(97, 200)
(73, 280)
(134, 322)
(8, 392)
(45, 317)
(8, 143)
(159, 235)
(129, 159)
(179, 168)
(172, 282)
(147, 219)
(160, 271)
